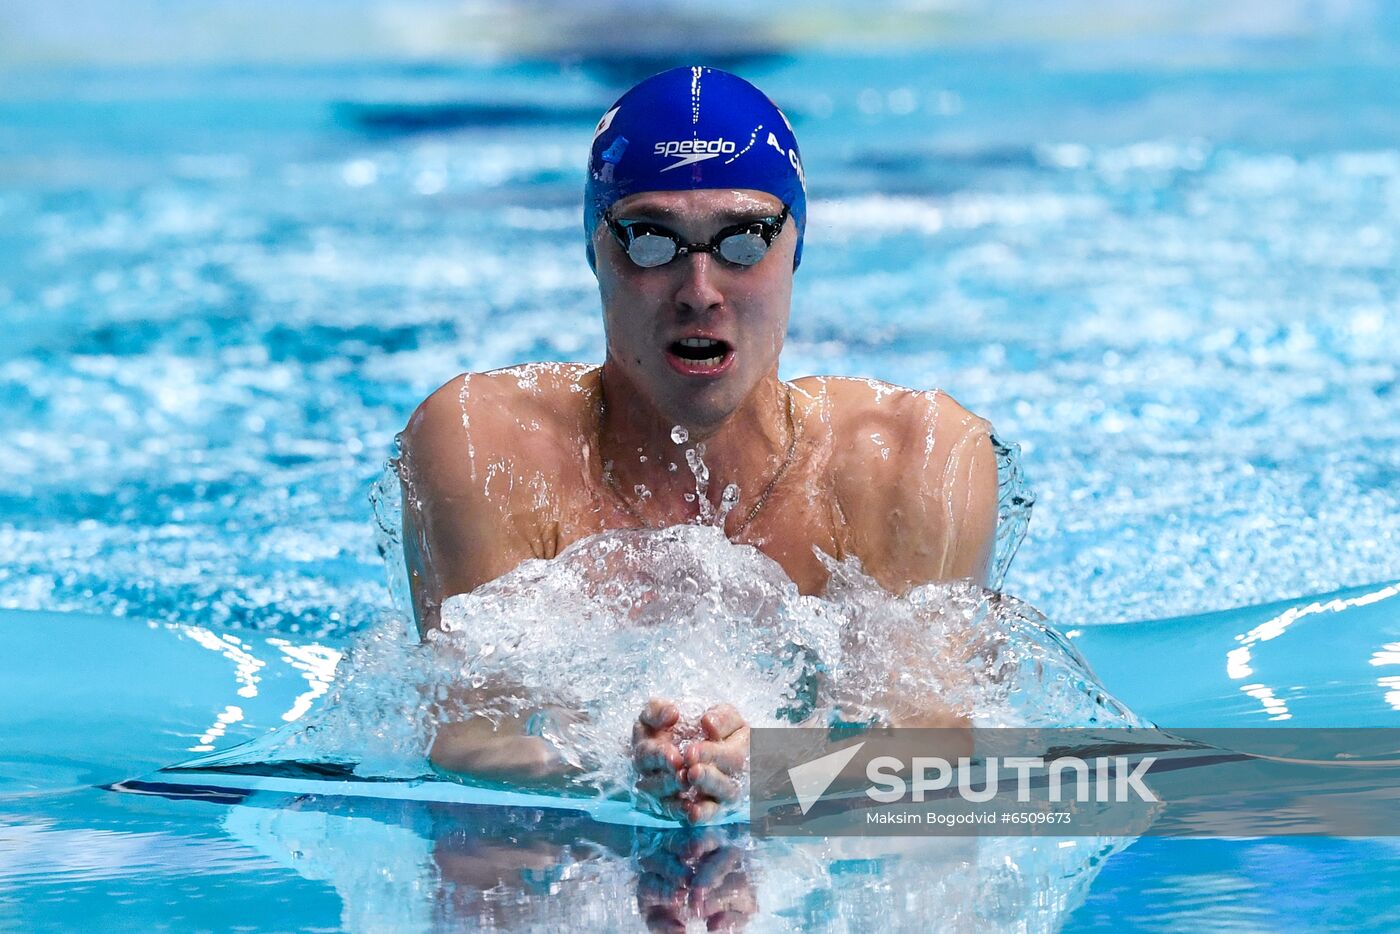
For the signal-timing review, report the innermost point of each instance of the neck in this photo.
(744, 447)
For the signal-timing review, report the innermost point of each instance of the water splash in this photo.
(387, 502)
(1014, 504)
(685, 614)
(1015, 498)
(727, 501)
(695, 460)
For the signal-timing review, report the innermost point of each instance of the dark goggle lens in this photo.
(743, 249)
(648, 246)
(651, 249)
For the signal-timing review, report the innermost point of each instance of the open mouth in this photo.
(699, 354)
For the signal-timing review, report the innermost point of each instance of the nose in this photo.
(697, 291)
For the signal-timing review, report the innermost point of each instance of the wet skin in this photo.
(509, 465)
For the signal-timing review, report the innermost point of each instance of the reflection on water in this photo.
(448, 866)
(38, 849)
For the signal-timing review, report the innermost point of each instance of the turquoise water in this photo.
(133, 697)
(1163, 260)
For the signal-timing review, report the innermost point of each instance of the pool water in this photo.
(135, 696)
(1162, 258)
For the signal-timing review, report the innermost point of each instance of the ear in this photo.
(592, 257)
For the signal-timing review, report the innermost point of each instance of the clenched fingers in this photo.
(659, 714)
(709, 780)
(730, 756)
(653, 746)
(659, 785)
(651, 755)
(721, 721)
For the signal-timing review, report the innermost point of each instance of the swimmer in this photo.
(694, 212)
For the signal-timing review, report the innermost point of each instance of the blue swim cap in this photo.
(691, 128)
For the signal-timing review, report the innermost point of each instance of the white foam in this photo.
(685, 614)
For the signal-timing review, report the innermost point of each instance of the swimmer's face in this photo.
(648, 312)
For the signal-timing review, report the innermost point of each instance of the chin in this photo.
(702, 408)
(700, 417)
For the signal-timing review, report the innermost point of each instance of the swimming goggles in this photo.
(649, 244)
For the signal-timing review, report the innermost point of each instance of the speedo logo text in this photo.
(690, 151)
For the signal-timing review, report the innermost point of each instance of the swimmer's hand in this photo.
(694, 784)
(503, 753)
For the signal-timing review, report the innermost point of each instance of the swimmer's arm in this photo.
(924, 706)
(973, 508)
(968, 501)
(513, 749)
(947, 519)
(477, 748)
(455, 537)
(942, 507)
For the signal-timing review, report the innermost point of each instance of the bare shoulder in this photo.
(479, 459)
(476, 419)
(915, 475)
(536, 390)
(880, 423)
